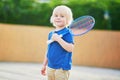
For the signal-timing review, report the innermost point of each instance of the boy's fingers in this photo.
(43, 72)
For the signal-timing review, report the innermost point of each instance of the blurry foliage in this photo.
(33, 12)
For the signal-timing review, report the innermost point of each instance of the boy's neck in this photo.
(60, 28)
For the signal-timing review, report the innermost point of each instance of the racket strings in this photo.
(87, 24)
(83, 23)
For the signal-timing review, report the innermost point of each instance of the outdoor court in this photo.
(31, 71)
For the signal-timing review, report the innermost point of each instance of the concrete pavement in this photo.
(31, 71)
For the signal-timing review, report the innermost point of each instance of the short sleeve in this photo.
(50, 35)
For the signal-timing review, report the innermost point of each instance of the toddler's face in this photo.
(59, 20)
(61, 16)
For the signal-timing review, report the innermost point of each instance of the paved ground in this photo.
(31, 71)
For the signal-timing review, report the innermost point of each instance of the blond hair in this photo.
(64, 10)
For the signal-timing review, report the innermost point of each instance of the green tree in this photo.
(105, 12)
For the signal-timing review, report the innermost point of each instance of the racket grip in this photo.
(50, 41)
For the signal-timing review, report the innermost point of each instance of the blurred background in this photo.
(38, 12)
(25, 24)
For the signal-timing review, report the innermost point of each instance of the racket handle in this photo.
(50, 41)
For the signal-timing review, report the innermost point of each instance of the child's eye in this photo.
(56, 15)
(62, 16)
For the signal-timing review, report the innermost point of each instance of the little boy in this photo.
(58, 58)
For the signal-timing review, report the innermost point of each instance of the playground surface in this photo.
(31, 71)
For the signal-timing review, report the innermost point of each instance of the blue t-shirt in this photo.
(57, 56)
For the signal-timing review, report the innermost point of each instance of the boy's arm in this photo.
(67, 46)
(43, 70)
(45, 61)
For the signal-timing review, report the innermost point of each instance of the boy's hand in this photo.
(55, 37)
(43, 70)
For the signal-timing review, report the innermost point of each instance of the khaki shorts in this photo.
(57, 74)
